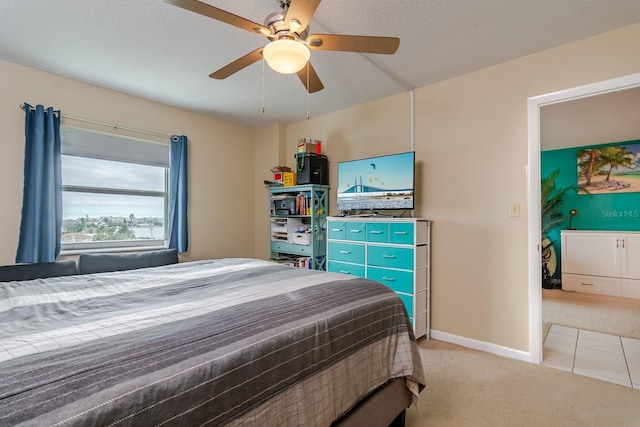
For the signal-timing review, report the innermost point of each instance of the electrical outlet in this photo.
(514, 211)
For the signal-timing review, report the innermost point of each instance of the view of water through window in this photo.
(98, 204)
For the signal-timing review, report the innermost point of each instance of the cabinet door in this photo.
(630, 256)
(593, 254)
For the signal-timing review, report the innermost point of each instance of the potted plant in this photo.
(552, 218)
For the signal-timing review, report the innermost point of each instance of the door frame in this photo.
(533, 191)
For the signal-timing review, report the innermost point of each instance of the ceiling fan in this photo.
(289, 42)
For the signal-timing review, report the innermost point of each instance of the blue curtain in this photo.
(178, 230)
(40, 226)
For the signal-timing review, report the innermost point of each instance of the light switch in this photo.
(514, 211)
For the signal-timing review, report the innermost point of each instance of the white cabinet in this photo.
(392, 251)
(630, 265)
(601, 262)
(630, 255)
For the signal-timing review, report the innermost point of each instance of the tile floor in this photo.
(592, 354)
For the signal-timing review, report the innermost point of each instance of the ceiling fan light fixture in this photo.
(286, 56)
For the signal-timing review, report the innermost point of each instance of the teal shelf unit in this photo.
(306, 206)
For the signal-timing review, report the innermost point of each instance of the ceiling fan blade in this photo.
(314, 82)
(301, 11)
(221, 15)
(237, 65)
(346, 43)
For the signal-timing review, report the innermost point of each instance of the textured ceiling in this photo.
(161, 52)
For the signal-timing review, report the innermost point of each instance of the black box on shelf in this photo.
(312, 169)
(286, 206)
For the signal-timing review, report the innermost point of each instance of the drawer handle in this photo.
(586, 284)
(376, 232)
(336, 229)
(345, 252)
(400, 232)
(355, 231)
(345, 271)
(389, 279)
(389, 256)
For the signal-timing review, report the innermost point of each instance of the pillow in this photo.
(102, 263)
(37, 270)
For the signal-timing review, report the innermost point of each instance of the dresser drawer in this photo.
(408, 303)
(355, 231)
(398, 280)
(337, 230)
(421, 302)
(345, 268)
(347, 252)
(421, 279)
(386, 256)
(291, 248)
(420, 325)
(592, 284)
(401, 233)
(631, 288)
(378, 232)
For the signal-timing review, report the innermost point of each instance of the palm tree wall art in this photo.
(611, 168)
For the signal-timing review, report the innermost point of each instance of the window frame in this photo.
(70, 248)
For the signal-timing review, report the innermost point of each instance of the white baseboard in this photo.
(481, 345)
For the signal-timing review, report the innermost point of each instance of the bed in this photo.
(218, 342)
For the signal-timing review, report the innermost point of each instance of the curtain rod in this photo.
(110, 125)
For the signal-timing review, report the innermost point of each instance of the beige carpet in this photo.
(473, 388)
(599, 313)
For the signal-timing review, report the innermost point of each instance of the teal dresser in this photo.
(392, 251)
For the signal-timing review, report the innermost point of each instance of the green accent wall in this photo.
(612, 211)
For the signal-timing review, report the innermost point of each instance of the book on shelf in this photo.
(302, 202)
(293, 261)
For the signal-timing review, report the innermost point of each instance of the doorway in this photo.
(534, 221)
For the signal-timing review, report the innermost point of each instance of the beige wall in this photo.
(221, 218)
(471, 149)
(269, 151)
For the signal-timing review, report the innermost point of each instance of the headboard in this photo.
(43, 270)
(102, 263)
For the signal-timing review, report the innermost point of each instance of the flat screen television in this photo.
(377, 183)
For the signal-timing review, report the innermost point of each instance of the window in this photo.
(114, 191)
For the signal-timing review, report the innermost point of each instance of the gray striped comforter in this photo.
(219, 342)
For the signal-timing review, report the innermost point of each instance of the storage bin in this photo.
(301, 238)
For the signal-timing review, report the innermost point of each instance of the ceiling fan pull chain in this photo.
(308, 90)
(263, 85)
